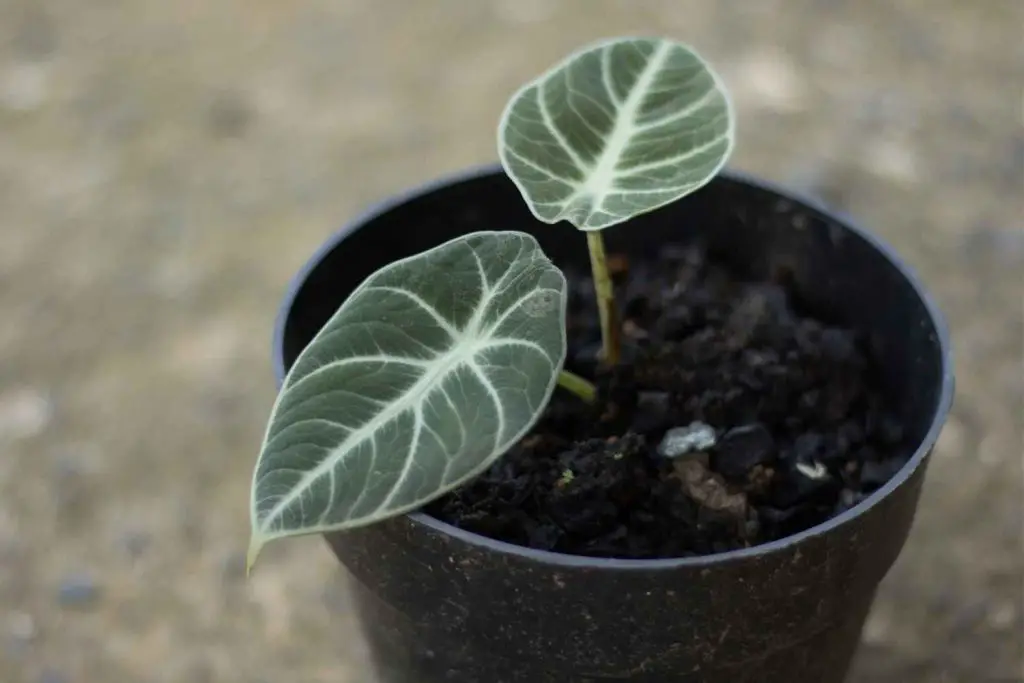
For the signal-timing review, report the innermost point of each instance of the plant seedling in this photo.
(438, 363)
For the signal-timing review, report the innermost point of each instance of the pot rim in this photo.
(922, 452)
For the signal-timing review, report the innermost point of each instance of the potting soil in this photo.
(735, 417)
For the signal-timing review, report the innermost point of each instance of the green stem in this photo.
(605, 298)
(577, 385)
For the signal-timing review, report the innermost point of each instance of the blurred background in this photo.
(166, 166)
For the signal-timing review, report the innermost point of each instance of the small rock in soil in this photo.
(78, 590)
(797, 488)
(741, 449)
(695, 437)
(708, 490)
(814, 471)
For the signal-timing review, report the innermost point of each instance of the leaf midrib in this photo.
(444, 366)
(602, 175)
(467, 345)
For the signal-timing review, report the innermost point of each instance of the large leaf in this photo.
(617, 129)
(427, 374)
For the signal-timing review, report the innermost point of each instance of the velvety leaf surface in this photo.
(430, 370)
(617, 129)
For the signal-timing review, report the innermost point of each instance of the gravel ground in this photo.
(166, 166)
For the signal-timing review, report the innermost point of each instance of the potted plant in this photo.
(683, 448)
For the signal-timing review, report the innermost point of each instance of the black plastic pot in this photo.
(442, 605)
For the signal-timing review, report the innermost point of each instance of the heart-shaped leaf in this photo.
(428, 373)
(617, 129)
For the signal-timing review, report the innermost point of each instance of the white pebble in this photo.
(681, 440)
(815, 471)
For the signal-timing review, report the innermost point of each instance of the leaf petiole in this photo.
(605, 298)
(577, 385)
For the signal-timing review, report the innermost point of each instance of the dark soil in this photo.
(801, 433)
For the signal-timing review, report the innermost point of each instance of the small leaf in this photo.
(617, 129)
(427, 374)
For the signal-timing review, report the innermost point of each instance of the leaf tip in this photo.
(255, 548)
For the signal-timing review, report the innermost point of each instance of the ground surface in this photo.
(166, 166)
